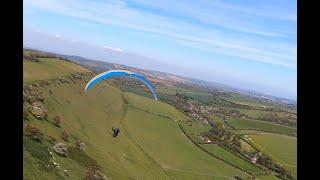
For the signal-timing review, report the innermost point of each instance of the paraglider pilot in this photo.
(115, 131)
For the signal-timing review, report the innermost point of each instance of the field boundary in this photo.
(242, 156)
(231, 164)
(266, 131)
(153, 161)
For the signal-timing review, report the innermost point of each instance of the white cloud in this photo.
(119, 14)
(112, 48)
(232, 16)
(57, 36)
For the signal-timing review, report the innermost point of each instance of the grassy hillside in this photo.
(150, 144)
(48, 68)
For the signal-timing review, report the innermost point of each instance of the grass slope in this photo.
(150, 144)
(162, 140)
(48, 68)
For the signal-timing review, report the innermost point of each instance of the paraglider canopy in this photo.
(121, 73)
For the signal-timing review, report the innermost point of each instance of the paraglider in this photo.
(115, 132)
(121, 73)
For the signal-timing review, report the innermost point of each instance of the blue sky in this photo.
(246, 44)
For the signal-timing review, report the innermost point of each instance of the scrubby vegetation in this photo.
(57, 121)
(33, 132)
(65, 135)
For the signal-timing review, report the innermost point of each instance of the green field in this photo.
(48, 68)
(268, 177)
(281, 148)
(216, 118)
(245, 100)
(255, 114)
(150, 145)
(219, 119)
(247, 147)
(171, 150)
(196, 95)
(232, 158)
(194, 129)
(245, 132)
(169, 90)
(260, 125)
(136, 90)
(268, 115)
(156, 107)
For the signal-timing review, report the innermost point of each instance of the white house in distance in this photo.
(205, 139)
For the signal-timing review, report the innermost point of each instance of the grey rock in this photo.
(61, 149)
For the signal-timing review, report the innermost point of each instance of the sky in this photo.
(246, 44)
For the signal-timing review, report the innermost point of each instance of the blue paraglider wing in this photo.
(121, 73)
(148, 83)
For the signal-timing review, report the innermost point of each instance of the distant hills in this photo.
(167, 78)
